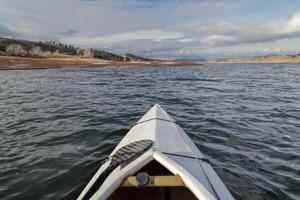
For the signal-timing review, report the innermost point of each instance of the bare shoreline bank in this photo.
(24, 63)
(252, 62)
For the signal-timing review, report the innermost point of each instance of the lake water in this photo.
(55, 125)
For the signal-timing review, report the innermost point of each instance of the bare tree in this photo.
(15, 50)
(36, 51)
(88, 53)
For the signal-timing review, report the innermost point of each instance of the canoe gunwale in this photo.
(117, 176)
(189, 180)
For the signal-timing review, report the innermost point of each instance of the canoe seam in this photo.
(154, 119)
(192, 150)
(191, 157)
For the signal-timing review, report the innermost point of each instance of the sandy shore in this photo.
(20, 63)
(263, 59)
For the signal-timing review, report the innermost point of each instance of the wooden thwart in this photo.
(155, 181)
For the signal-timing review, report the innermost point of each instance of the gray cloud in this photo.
(69, 32)
(228, 34)
(165, 28)
(192, 39)
(5, 32)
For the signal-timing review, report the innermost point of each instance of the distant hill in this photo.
(26, 48)
(191, 59)
(271, 58)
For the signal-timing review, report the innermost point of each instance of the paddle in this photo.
(125, 153)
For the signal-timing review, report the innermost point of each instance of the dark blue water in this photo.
(55, 125)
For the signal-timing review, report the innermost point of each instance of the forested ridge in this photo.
(39, 49)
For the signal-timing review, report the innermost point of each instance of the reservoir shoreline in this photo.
(25, 63)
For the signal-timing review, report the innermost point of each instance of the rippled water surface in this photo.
(55, 125)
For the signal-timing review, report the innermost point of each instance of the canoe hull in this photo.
(172, 149)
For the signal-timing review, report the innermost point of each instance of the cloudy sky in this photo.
(159, 28)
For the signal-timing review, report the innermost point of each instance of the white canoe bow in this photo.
(172, 167)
